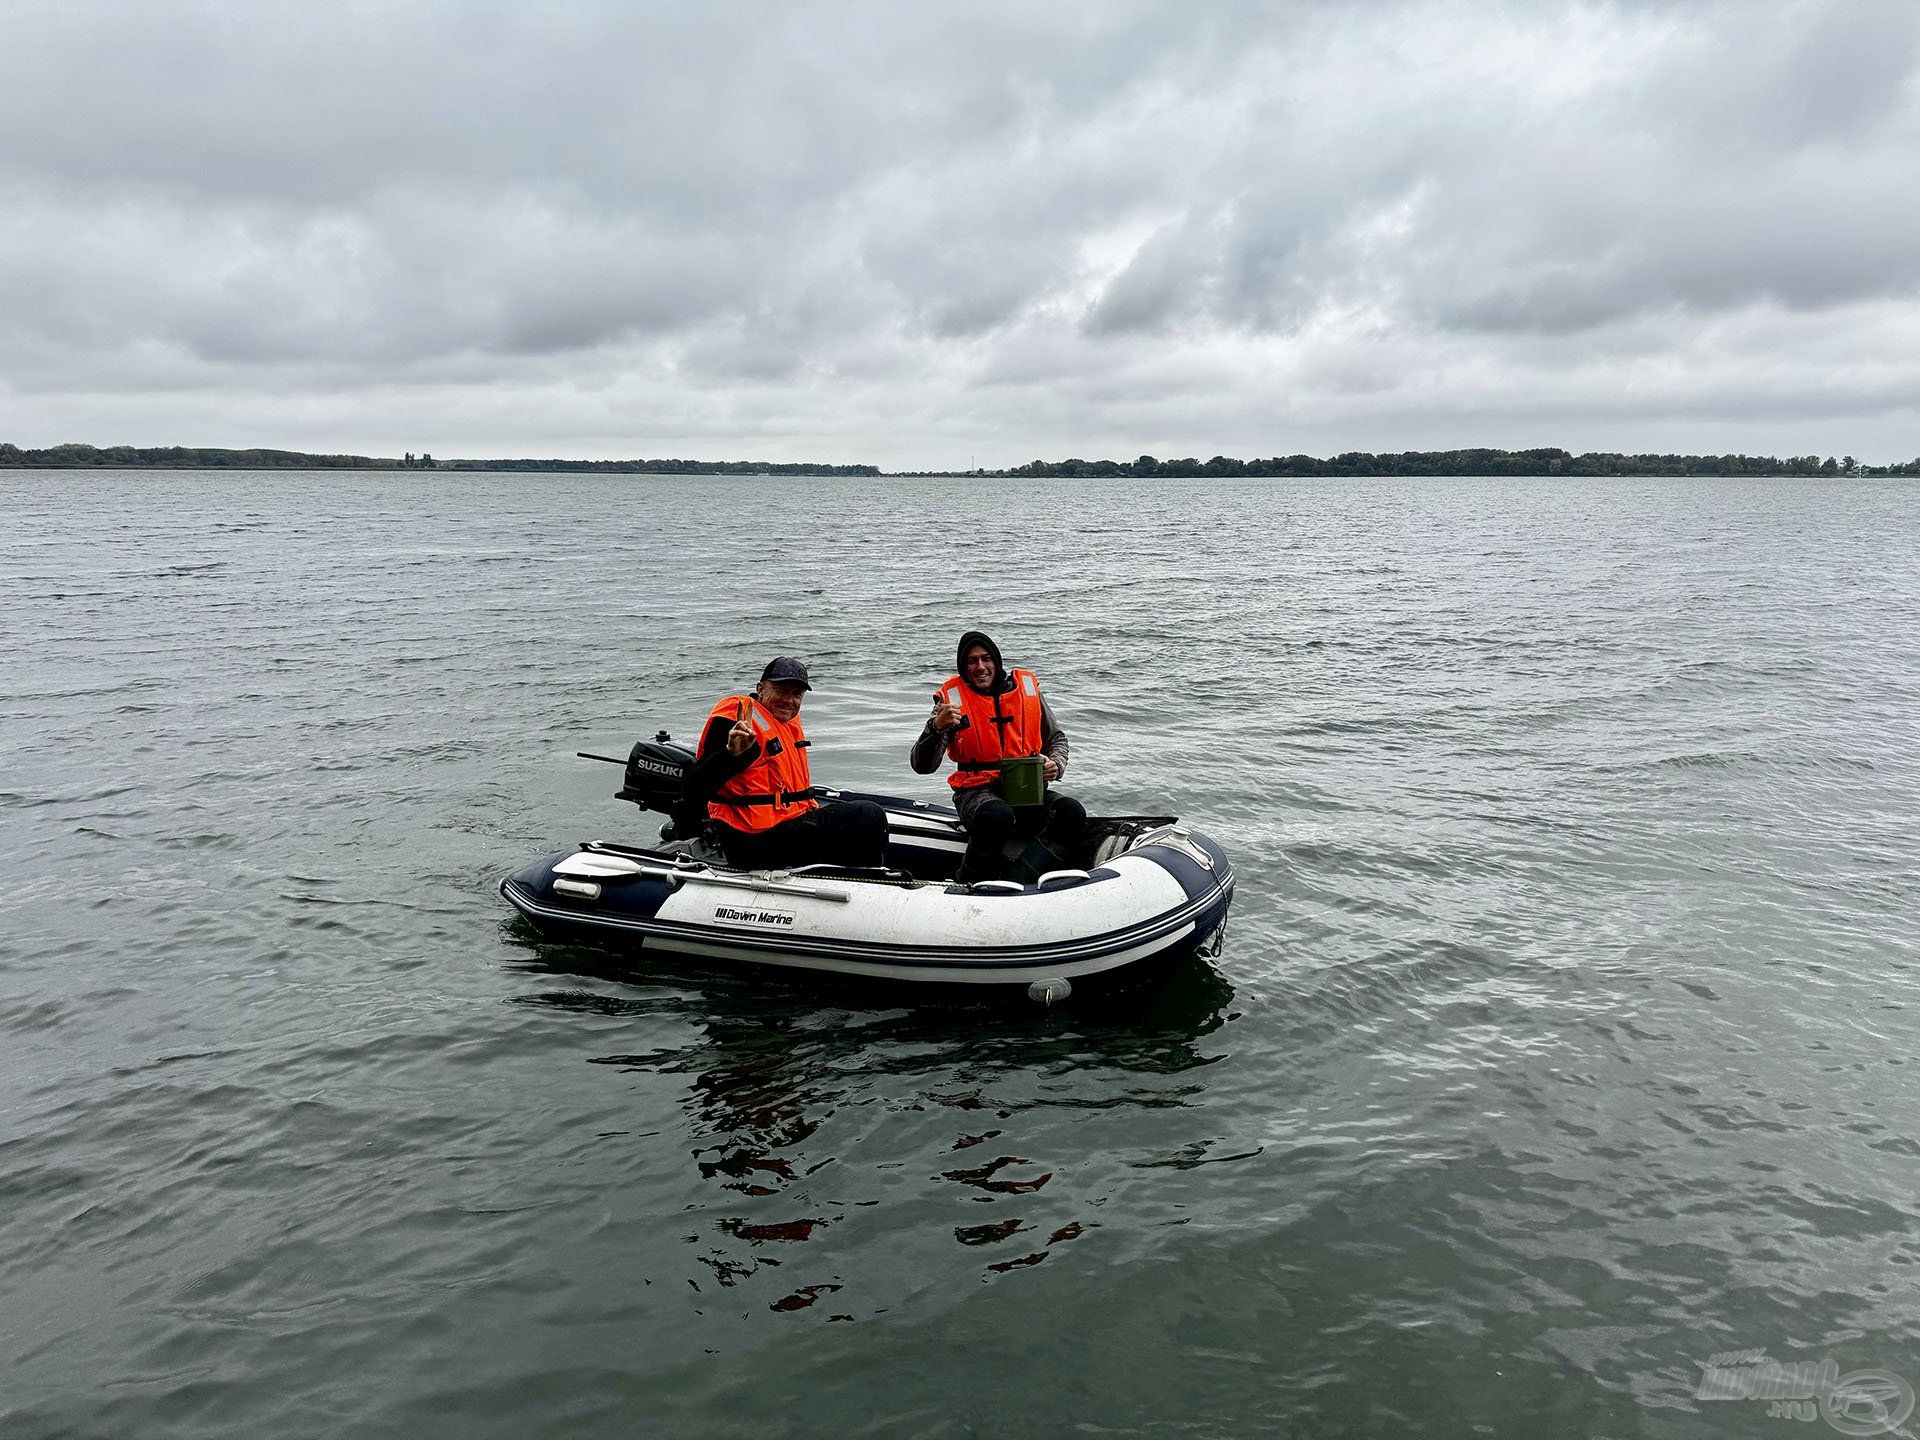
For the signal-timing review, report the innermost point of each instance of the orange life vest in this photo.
(777, 785)
(1002, 726)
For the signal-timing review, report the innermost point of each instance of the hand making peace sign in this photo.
(741, 735)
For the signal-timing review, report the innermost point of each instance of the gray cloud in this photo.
(917, 234)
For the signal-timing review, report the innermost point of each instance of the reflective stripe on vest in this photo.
(777, 785)
(1001, 726)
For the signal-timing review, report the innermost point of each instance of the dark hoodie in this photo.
(930, 749)
(1002, 681)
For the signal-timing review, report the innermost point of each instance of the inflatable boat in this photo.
(1151, 890)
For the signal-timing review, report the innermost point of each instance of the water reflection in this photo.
(834, 1133)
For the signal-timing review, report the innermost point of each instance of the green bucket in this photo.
(1023, 781)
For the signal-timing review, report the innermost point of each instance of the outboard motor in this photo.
(655, 779)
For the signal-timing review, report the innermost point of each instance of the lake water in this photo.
(1561, 1041)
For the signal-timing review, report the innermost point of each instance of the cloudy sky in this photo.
(945, 234)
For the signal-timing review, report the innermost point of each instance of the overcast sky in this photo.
(945, 234)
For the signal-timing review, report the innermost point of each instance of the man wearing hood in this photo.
(982, 715)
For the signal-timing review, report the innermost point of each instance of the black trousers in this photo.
(991, 822)
(837, 832)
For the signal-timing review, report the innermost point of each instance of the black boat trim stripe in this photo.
(921, 956)
(954, 974)
(749, 946)
(1165, 920)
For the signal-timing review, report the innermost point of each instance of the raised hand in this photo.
(741, 735)
(945, 716)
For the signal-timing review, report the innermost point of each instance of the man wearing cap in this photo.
(751, 769)
(982, 715)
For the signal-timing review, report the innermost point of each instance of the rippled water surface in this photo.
(1561, 1041)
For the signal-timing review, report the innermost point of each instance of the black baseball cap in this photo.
(782, 667)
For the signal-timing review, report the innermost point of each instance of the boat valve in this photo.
(1048, 991)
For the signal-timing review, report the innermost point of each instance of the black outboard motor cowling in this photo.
(656, 780)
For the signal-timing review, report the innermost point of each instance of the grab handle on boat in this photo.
(1062, 877)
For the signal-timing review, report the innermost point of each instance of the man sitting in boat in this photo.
(982, 716)
(751, 768)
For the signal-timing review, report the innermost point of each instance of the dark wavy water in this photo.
(1562, 1039)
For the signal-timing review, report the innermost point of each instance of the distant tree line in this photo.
(177, 456)
(69, 457)
(667, 467)
(1352, 462)
(1470, 462)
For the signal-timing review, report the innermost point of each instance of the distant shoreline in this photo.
(447, 468)
(185, 457)
(1409, 463)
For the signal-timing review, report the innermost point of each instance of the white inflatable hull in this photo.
(1167, 895)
